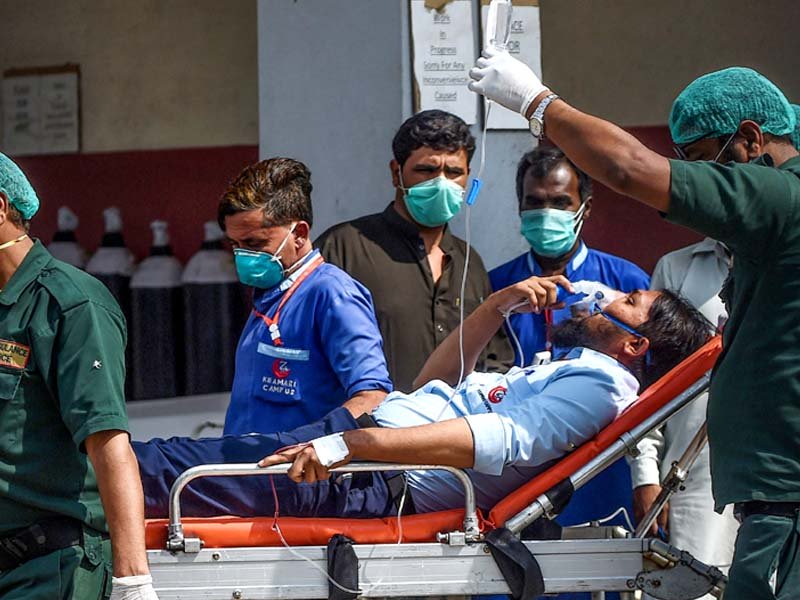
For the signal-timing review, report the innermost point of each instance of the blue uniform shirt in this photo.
(331, 350)
(588, 265)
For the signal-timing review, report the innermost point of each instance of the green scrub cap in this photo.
(713, 106)
(16, 186)
(796, 134)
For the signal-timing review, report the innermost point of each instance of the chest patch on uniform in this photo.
(497, 394)
(14, 355)
(281, 352)
(280, 368)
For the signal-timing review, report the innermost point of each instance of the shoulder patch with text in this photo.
(14, 355)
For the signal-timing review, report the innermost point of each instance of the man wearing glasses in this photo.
(754, 402)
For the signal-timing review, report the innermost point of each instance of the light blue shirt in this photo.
(521, 421)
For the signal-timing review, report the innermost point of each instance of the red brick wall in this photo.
(180, 186)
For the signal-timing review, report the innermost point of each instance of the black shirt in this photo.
(386, 253)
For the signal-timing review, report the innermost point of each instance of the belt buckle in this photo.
(38, 534)
(738, 512)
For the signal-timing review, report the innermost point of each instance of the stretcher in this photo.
(455, 552)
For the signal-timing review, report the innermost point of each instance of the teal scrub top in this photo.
(754, 402)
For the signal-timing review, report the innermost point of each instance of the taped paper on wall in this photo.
(41, 111)
(444, 52)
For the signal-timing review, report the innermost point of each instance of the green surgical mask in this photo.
(260, 269)
(433, 202)
(551, 232)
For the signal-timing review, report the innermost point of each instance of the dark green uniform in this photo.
(62, 340)
(754, 403)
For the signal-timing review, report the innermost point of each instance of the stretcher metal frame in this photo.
(177, 542)
(591, 559)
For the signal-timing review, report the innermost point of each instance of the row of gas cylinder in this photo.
(183, 322)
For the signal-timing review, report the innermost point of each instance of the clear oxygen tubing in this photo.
(277, 529)
(568, 301)
(467, 236)
(471, 197)
(507, 318)
(621, 509)
(498, 28)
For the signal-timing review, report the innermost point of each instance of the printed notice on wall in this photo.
(525, 44)
(41, 111)
(444, 52)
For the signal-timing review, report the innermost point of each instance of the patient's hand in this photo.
(530, 295)
(306, 466)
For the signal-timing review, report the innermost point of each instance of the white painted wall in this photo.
(154, 73)
(183, 73)
(331, 94)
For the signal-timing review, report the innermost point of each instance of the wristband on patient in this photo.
(330, 449)
(132, 580)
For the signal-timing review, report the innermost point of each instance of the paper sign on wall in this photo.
(444, 52)
(525, 44)
(41, 111)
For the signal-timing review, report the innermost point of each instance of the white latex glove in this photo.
(136, 587)
(505, 80)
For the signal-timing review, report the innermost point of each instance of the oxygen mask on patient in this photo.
(595, 293)
(586, 296)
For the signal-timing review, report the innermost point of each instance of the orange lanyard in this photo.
(272, 322)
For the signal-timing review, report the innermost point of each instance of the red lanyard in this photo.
(548, 324)
(272, 322)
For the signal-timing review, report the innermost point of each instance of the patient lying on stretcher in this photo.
(504, 428)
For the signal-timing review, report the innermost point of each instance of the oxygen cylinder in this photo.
(65, 246)
(215, 309)
(113, 262)
(156, 322)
